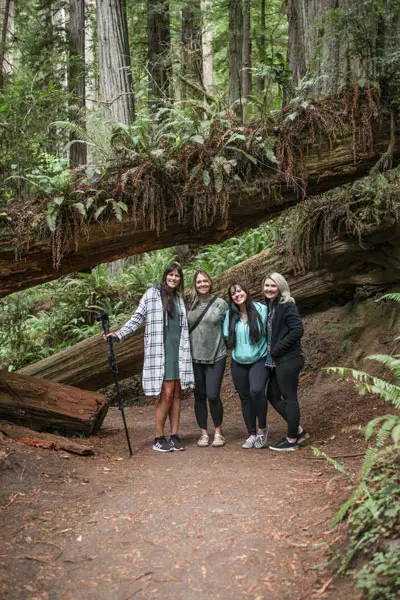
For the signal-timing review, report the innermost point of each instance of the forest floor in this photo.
(206, 523)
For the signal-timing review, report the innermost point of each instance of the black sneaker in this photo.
(284, 446)
(302, 437)
(161, 444)
(175, 443)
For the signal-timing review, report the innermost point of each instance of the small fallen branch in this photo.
(24, 435)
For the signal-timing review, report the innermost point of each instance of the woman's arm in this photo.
(135, 321)
(295, 331)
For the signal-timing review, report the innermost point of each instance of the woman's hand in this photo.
(110, 335)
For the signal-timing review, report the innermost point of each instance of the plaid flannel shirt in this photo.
(151, 311)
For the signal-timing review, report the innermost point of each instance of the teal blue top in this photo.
(245, 351)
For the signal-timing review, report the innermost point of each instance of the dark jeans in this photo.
(282, 391)
(250, 381)
(208, 379)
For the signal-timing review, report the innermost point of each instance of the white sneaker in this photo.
(203, 440)
(261, 439)
(218, 441)
(249, 443)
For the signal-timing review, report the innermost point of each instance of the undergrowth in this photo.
(372, 551)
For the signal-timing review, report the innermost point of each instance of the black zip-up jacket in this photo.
(287, 330)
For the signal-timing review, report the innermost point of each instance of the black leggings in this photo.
(282, 392)
(250, 381)
(208, 379)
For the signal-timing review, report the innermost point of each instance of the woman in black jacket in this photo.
(284, 358)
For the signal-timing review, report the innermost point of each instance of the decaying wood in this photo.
(344, 266)
(45, 405)
(44, 440)
(328, 164)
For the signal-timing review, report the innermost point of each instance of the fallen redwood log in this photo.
(327, 163)
(344, 266)
(45, 405)
(27, 436)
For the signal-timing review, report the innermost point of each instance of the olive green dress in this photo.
(172, 336)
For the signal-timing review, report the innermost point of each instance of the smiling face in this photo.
(238, 295)
(271, 290)
(173, 279)
(203, 285)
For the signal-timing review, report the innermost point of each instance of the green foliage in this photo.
(380, 579)
(373, 508)
(219, 257)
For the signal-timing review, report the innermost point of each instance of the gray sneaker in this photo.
(261, 439)
(250, 442)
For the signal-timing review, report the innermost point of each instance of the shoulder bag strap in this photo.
(200, 317)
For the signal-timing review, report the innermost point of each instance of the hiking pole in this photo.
(112, 361)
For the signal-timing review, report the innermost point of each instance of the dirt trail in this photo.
(220, 523)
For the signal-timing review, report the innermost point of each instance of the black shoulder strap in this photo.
(200, 317)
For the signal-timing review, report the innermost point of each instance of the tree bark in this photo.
(5, 17)
(115, 76)
(159, 52)
(246, 51)
(339, 42)
(27, 436)
(235, 52)
(207, 50)
(191, 56)
(45, 405)
(77, 77)
(327, 165)
(344, 266)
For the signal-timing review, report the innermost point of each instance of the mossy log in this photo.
(344, 266)
(48, 406)
(326, 164)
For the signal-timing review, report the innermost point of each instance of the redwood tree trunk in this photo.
(115, 76)
(191, 57)
(159, 52)
(246, 50)
(76, 76)
(235, 51)
(5, 14)
(207, 51)
(339, 42)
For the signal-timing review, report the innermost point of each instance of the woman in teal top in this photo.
(244, 330)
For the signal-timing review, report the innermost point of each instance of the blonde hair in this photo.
(283, 287)
(193, 295)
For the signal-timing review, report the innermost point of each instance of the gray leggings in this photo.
(208, 379)
(250, 381)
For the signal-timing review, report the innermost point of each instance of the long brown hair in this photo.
(256, 326)
(193, 294)
(167, 295)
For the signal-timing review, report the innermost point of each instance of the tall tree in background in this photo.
(246, 50)
(77, 76)
(339, 43)
(235, 51)
(115, 77)
(159, 52)
(6, 15)
(191, 56)
(206, 43)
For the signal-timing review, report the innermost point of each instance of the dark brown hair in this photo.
(168, 295)
(256, 326)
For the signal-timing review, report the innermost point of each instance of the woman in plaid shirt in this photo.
(167, 366)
